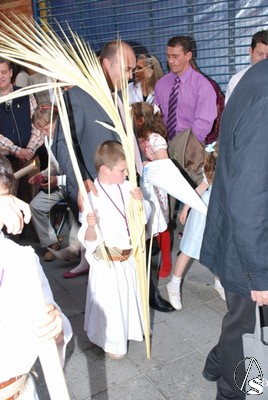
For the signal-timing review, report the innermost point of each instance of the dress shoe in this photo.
(70, 275)
(160, 304)
(209, 377)
(48, 256)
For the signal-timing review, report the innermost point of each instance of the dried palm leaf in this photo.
(28, 44)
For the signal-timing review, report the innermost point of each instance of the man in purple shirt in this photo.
(196, 105)
(190, 116)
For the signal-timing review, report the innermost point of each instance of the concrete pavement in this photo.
(180, 343)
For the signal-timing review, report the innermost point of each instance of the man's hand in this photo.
(13, 213)
(37, 179)
(52, 183)
(51, 326)
(24, 154)
(90, 187)
(261, 297)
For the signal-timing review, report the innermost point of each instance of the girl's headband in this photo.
(43, 107)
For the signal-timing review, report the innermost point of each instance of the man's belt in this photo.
(13, 388)
(114, 254)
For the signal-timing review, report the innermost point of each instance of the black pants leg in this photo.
(224, 358)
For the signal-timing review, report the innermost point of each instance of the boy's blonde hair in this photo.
(109, 153)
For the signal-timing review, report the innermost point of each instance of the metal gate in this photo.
(222, 29)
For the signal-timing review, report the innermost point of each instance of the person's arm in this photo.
(7, 147)
(51, 327)
(200, 189)
(161, 154)
(205, 111)
(90, 187)
(59, 145)
(37, 138)
(248, 196)
(53, 323)
(92, 221)
(159, 146)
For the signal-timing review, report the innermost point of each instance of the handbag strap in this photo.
(258, 323)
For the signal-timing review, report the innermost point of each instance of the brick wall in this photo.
(17, 7)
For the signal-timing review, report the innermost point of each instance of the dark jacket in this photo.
(90, 134)
(235, 244)
(15, 120)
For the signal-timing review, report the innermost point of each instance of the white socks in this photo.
(176, 281)
(83, 265)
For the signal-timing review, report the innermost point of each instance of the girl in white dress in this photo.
(152, 140)
(113, 306)
(191, 242)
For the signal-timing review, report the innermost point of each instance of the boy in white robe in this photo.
(22, 325)
(113, 307)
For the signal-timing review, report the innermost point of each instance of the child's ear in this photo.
(105, 170)
(140, 121)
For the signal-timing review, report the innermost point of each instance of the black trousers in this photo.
(228, 353)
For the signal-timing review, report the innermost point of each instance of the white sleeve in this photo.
(49, 299)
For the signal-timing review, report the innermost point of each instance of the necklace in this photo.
(118, 209)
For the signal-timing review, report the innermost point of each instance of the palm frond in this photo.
(74, 63)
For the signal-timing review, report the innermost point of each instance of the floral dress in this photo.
(149, 147)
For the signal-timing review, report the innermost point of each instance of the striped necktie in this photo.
(172, 106)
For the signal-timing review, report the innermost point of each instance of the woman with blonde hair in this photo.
(148, 71)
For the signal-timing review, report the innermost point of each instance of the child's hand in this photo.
(51, 327)
(183, 215)
(137, 193)
(92, 219)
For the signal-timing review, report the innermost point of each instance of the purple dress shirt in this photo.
(196, 107)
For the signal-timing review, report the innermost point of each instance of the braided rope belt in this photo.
(13, 388)
(114, 254)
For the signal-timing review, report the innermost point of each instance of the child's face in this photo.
(45, 130)
(138, 121)
(4, 190)
(118, 173)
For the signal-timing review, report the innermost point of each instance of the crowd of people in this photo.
(178, 115)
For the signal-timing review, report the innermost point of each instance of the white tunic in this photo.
(113, 308)
(135, 94)
(20, 311)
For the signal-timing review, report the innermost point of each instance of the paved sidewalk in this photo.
(180, 343)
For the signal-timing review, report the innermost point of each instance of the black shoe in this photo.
(160, 304)
(209, 377)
